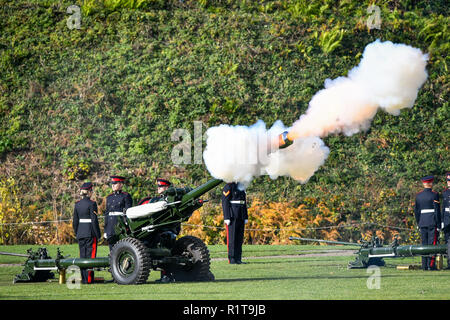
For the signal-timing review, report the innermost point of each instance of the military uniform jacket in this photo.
(426, 209)
(85, 222)
(116, 203)
(446, 208)
(234, 203)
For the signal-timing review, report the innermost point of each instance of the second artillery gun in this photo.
(372, 252)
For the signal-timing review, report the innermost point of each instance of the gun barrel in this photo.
(409, 250)
(372, 255)
(197, 192)
(13, 254)
(101, 262)
(285, 140)
(326, 241)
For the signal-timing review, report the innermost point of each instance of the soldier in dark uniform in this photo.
(445, 217)
(116, 203)
(235, 216)
(428, 217)
(86, 228)
(163, 185)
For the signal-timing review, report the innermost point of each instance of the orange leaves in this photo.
(269, 223)
(274, 222)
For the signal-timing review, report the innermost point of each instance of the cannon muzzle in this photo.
(13, 254)
(285, 140)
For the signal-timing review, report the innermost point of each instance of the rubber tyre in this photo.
(199, 270)
(129, 262)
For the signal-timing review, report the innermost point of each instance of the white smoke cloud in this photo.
(388, 77)
(240, 153)
(232, 152)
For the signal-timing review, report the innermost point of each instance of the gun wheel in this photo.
(198, 268)
(129, 262)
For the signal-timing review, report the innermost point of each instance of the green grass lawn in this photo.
(272, 278)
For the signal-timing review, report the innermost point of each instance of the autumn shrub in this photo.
(13, 216)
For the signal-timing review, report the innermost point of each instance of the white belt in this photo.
(426, 210)
(447, 209)
(116, 213)
(85, 221)
(238, 201)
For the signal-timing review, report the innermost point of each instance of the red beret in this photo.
(86, 186)
(117, 179)
(427, 179)
(163, 183)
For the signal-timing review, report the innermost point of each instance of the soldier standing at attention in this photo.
(445, 217)
(428, 217)
(116, 203)
(86, 228)
(235, 216)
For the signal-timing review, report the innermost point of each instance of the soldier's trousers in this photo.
(88, 249)
(429, 236)
(235, 238)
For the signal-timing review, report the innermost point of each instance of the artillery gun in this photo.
(372, 252)
(146, 239)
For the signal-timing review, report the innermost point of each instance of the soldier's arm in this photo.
(226, 196)
(417, 211)
(75, 220)
(106, 213)
(443, 209)
(246, 209)
(128, 201)
(94, 219)
(437, 209)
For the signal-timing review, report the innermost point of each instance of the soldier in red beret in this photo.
(163, 185)
(116, 203)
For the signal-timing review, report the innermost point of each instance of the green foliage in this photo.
(77, 168)
(97, 6)
(330, 40)
(107, 97)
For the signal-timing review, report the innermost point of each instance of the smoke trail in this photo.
(388, 77)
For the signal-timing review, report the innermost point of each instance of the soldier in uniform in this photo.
(116, 203)
(235, 216)
(86, 228)
(163, 185)
(445, 217)
(428, 217)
